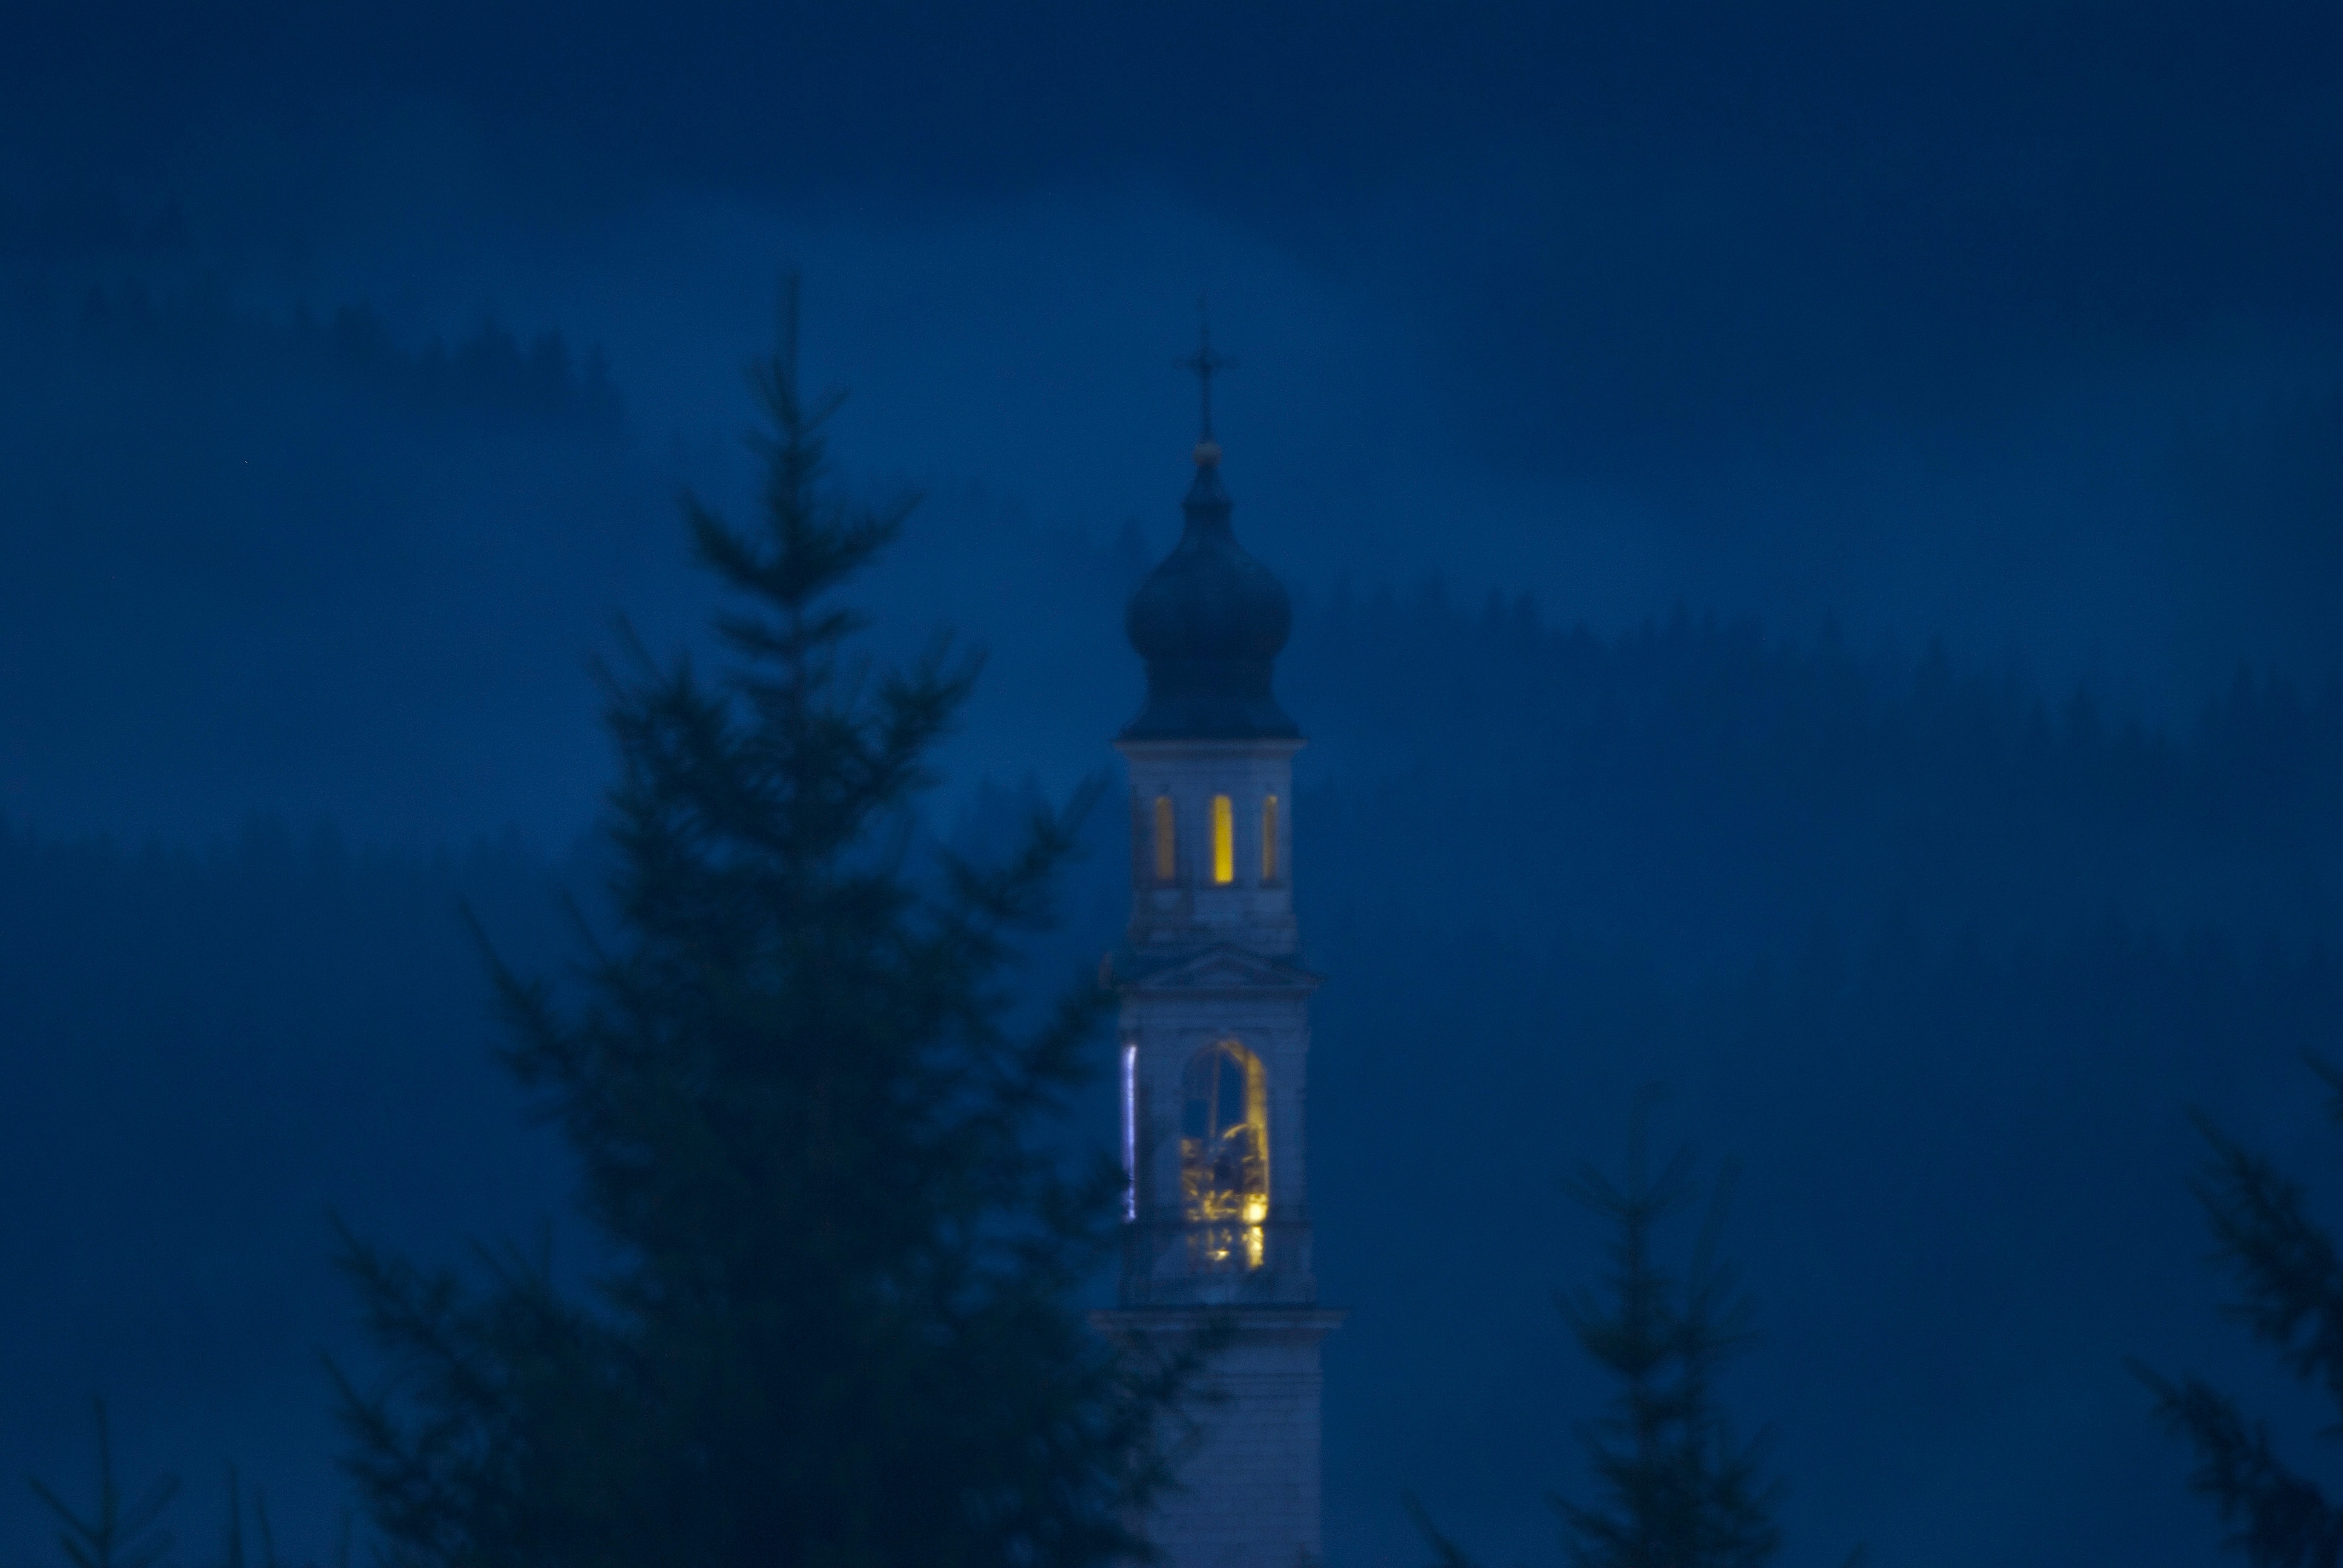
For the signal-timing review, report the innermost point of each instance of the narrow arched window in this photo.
(1224, 840)
(1269, 838)
(1167, 848)
(1225, 1156)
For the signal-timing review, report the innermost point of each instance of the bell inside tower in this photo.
(1215, 1031)
(1224, 1157)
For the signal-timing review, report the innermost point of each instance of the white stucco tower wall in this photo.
(1215, 1047)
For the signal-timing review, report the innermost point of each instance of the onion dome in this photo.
(1210, 621)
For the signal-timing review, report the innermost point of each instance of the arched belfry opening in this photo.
(1215, 1035)
(1225, 1156)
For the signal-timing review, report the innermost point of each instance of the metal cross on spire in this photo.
(1204, 362)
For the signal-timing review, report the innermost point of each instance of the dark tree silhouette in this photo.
(2289, 1293)
(116, 1534)
(1675, 1489)
(838, 1326)
(1673, 1486)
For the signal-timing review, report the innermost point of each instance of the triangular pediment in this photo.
(1226, 967)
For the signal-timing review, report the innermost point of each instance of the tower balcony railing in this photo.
(1172, 1262)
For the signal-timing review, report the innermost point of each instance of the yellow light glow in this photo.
(1269, 838)
(1167, 849)
(1224, 841)
(1224, 1158)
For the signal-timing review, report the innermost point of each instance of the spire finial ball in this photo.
(1208, 454)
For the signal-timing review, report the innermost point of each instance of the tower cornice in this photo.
(1213, 1041)
(1220, 967)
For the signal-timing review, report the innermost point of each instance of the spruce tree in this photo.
(838, 1329)
(1673, 1485)
(1676, 1489)
(116, 1534)
(2288, 1279)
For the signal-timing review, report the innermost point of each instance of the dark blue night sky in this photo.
(1817, 532)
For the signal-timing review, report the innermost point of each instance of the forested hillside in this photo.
(1938, 957)
(1702, 793)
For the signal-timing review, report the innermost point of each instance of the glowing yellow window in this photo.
(1224, 1157)
(1269, 838)
(1167, 848)
(1224, 840)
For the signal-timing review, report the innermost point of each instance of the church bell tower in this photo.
(1215, 1040)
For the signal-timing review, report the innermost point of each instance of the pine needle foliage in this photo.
(2288, 1279)
(262, 1552)
(115, 1533)
(1676, 1489)
(1673, 1487)
(838, 1330)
